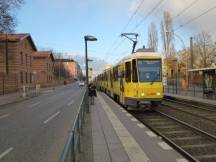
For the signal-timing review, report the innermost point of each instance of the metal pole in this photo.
(73, 155)
(87, 79)
(176, 76)
(191, 51)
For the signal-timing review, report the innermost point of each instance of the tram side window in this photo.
(134, 71)
(115, 73)
(128, 71)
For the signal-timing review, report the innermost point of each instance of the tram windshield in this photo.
(149, 70)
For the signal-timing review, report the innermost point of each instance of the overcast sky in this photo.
(61, 24)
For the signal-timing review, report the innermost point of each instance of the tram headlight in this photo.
(158, 94)
(142, 94)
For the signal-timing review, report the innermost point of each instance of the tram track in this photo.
(194, 111)
(193, 142)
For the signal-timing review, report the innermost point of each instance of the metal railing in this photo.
(72, 146)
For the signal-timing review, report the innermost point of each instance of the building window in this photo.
(134, 71)
(26, 77)
(128, 71)
(30, 60)
(21, 77)
(21, 57)
(30, 77)
(26, 59)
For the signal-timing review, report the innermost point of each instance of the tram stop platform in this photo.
(118, 137)
(191, 98)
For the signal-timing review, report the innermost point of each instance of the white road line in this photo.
(141, 125)
(37, 103)
(182, 160)
(6, 152)
(134, 119)
(4, 116)
(164, 146)
(70, 103)
(51, 117)
(133, 149)
(151, 134)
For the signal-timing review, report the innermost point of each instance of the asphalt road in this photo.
(36, 130)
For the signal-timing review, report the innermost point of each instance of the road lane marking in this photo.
(6, 152)
(133, 149)
(182, 160)
(141, 125)
(134, 119)
(4, 116)
(70, 103)
(51, 117)
(151, 134)
(37, 103)
(164, 146)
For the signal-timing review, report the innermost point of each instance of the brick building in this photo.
(16, 52)
(43, 68)
(67, 69)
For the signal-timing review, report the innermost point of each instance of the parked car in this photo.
(81, 83)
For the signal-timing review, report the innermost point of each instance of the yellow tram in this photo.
(135, 81)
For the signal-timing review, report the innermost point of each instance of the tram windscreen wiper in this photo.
(156, 76)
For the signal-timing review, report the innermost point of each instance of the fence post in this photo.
(73, 156)
(78, 131)
(168, 86)
(194, 91)
(3, 85)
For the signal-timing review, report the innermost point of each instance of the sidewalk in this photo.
(118, 137)
(193, 99)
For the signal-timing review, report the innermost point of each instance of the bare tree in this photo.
(204, 50)
(7, 16)
(167, 34)
(153, 37)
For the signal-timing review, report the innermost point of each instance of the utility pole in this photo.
(191, 52)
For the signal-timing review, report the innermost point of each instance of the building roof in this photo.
(15, 37)
(64, 60)
(45, 54)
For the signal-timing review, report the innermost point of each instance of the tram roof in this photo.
(202, 69)
(140, 55)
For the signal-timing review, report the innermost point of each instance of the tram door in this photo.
(122, 88)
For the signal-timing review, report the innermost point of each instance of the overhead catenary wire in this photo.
(148, 14)
(185, 9)
(195, 18)
(142, 20)
(113, 47)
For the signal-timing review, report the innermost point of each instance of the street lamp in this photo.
(87, 38)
